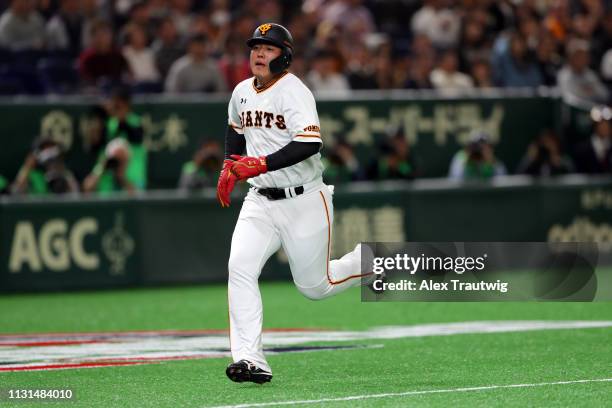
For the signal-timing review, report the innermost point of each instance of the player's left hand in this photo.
(246, 167)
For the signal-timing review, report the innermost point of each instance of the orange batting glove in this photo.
(246, 167)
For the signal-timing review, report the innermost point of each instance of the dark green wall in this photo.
(164, 238)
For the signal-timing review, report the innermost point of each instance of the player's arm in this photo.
(246, 167)
(295, 152)
(291, 154)
(235, 143)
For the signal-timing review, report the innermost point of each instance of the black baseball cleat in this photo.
(244, 370)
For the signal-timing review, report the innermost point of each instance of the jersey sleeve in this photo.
(301, 118)
(233, 115)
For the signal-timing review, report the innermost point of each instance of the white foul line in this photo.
(407, 393)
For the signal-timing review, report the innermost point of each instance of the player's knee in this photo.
(238, 272)
(315, 293)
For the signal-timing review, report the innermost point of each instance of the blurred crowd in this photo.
(186, 46)
(123, 47)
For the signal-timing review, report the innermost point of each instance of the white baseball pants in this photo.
(303, 226)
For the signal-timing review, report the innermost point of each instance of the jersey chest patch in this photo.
(262, 119)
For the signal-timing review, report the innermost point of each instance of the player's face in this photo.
(261, 55)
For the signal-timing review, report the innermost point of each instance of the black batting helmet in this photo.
(275, 34)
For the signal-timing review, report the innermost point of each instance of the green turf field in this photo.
(412, 371)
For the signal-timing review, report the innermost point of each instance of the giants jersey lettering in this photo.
(272, 117)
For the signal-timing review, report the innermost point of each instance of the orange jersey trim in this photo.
(269, 84)
(315, 136)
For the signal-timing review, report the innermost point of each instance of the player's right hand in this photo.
(226, 183)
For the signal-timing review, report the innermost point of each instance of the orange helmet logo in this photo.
(263, 29)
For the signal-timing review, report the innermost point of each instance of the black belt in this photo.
(280, 193)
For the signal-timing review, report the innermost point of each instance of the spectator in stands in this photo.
(120, 10)
(602, 38)
(401, 69)
(123, 122)
(203, 169)
(341, 165)
(446, 77)
(92, 15)
(360, 68)
(300, 31)
(512, 64)
(299, 66)
(168, 47)
(438, 21)
(201, 26)
(139, 56)
(234, 62)
(217, 36)
(396, 161)
(22, 27)
(158, 9)
(324, 77)
(476, 161)
(594, 155)
(548, 59)
(115, 171)
(243, 23)
(482, 75)
(578, 83)
(584, 24)
(422, 60)
(122, 165)
(140, 15)
(384, 69)
(102, 61)
(419, 74)
(421, 45)
(195, 71)
(44, 171)
(493, 16)
(354, 21)
(475, 45)
(327, 37)
(606, 66)
(93, 131)
(268, 10)
(65, 29)
(529, 30)
(181, 14)
(558, 20)
(220, 12)
(544, 157)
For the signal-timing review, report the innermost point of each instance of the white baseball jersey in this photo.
(272, 117)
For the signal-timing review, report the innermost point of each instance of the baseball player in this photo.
(273, 117)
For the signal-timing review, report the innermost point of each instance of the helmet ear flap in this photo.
(288, 56)
(282, 62)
